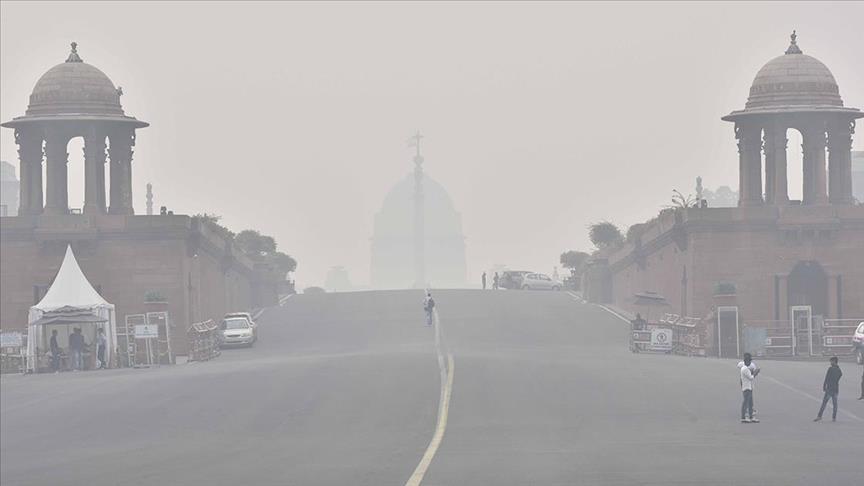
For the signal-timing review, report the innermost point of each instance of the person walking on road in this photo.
(748, 376)
(831, 387)
(495, 279)
(429, 307)
(484, 280)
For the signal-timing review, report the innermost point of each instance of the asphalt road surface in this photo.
(345, 389)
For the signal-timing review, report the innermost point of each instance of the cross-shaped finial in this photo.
(415, 141)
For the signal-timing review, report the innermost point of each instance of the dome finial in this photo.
(793, 46)
(73, 56)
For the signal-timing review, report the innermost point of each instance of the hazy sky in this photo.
(539, 118)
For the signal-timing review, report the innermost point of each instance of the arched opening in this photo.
(75, 174)
(795, 164)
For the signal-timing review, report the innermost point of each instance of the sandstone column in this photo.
(94, 173)
(750, 164)
(814, 165)
(29, 142)
(776, 185)
(56, 161)
(840, 162)
(120, 149)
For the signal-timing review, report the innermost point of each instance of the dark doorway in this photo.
(808, 285)
(728, 342)
(808, 306)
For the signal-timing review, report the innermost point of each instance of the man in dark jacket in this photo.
(76, 349)
(831, 387)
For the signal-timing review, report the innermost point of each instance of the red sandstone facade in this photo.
(784, 259)
(200, 274)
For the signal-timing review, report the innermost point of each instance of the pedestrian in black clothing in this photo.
(484, 280)
(831, 387)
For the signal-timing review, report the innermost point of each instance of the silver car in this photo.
(237, 331)
(539, 281)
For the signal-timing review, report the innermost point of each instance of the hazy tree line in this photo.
(258, 247)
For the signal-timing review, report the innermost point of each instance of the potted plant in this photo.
(155, 301)
(725, 293)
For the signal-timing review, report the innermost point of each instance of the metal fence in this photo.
(826, 337)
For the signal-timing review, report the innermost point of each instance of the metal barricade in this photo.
(837, 336)
(671, 334)
(203, 341)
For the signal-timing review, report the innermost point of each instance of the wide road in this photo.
(345, 389)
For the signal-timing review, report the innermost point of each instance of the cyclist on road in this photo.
(429, 307)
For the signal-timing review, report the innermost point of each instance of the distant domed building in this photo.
(393, 240)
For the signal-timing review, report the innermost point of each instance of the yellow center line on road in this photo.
(446, 375)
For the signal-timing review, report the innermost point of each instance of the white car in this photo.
(237, 331)
(539, 281)
(246, 316)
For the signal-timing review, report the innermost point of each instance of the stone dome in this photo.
(74, 87)
(794, 79)
(392, 244)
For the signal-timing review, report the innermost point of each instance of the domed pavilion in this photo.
(772, 277)
(75, 99)
(794, 91)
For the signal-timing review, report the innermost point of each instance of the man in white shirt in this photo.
(747, 378)
(753, 369)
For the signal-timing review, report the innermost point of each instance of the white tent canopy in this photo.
(70, 288)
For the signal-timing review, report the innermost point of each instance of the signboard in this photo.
(11, 340)
(146, 331)
(661, 339)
